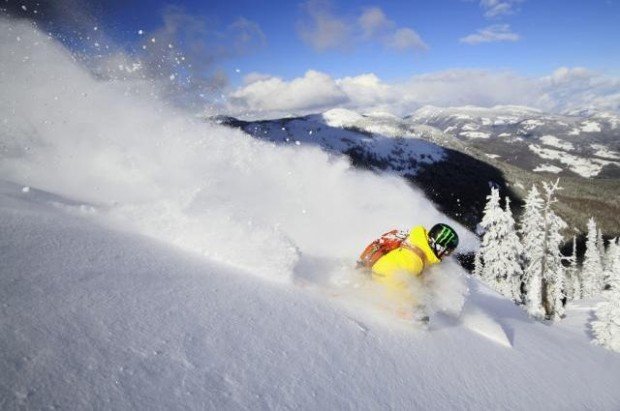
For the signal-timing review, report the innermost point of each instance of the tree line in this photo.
(523, 261)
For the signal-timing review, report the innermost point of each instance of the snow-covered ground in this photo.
(96, 318)
(553, 141)
(548, 168)
(151, 261)
(585, 167)
(602, 151)
(590, 127)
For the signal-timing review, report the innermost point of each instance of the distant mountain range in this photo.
(456, 154)
(585, 143)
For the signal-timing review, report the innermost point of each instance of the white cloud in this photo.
(495, 33)
(313, 91)
(564, 89)
(578, 87)
(373, 21)
(495, 8)
(254, 77)
(246, 34)
(324, 30)
(367, 90)
(321, 29)
(569, 74)
(405, 39)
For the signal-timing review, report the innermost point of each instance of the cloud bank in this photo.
(564, 89)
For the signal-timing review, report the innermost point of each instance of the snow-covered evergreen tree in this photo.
(606, 327)
(544, 273)
(553, 275)
(488, 253)
(600, 245)
(573, 276)
(613, 252)
(607, 261)
(592, 271)
(512, 249)
(532, 236)
(497, 261)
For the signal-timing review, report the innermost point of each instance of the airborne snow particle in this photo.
(26, 189)
(172, 77)
(24, 8)
(140, 32)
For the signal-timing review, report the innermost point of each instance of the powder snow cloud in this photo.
(564, 89)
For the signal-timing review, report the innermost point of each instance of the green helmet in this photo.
(443, 240)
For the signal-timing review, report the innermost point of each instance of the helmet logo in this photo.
(445, 236)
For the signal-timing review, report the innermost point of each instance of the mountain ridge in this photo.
(509, 146)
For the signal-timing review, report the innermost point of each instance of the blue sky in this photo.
(294, 57)
(539, 36)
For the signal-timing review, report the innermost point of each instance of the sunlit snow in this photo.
(556, 142)
(585, 167)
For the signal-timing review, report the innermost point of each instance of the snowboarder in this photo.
(397, 256)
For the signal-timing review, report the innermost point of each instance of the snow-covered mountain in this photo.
(454, 154)
(344, 131)
(584, 143)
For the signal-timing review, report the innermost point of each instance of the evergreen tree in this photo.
(600, 245)
(553, 275)
(607, 261)
(573, 280)
(497, 260)
(512, 249)
(488, 253)
(532, 235)
(592, 271)
(606, 327)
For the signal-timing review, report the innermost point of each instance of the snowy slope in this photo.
(94, 318)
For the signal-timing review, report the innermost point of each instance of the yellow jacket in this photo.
(393, 268)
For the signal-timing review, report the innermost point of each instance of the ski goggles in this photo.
(440, 250)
